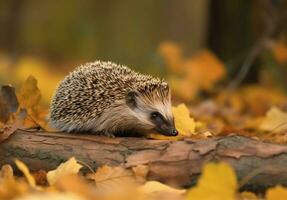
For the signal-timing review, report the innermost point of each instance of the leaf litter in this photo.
(253, 110)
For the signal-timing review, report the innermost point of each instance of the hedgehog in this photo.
(110, 99)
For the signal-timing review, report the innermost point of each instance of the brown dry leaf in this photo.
(277, 193)
(69, 167)
(25, 170)
(38, 118)
(29, 98)
(9, 96)
(113, 178)
(275, 120)
(29, 95)
(172, 54)
(280, 52)
(40, 177)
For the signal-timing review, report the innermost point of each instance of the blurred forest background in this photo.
(49, 38)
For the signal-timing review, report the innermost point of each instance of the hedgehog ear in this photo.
(131, 99)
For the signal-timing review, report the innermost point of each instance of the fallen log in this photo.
(176, 162)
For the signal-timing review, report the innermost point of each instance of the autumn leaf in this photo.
(69, 167)
(204, 69)
(49, 196)
(11, 188)
(77, 185)
(259, 98)
(183, 123)
(217, 182)
(275, 120)
(155, 186)
(276, 193)
(191, 75)
(9, 96)
(248, 196)
(47, 79)
(25, 170)
(112, 178)
(29, 98)
(29, 95)
(40, 177)
(6, 172)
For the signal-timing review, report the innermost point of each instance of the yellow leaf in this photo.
(217, 182)
(11, 188)
(248, 196)
(275, 120)
(25, 170)
(47, 78)
(112, 178)
(183, 123)
(29, 95)
(277, 193)
(69, 167)
(155, 186)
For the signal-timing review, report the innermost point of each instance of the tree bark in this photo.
(176, 162)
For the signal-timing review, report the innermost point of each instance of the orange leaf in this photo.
(29, 95)
(204, 69)
(277, 193)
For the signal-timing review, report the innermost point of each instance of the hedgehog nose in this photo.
(174, 132)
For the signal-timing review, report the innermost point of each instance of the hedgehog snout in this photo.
(167, 130)
(162, 125)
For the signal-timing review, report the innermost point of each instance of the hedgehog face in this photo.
(153, 110)
(162, 125)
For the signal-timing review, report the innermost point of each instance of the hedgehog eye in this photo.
(155, 114)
